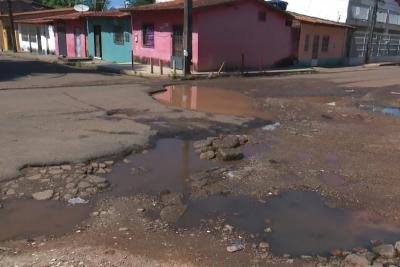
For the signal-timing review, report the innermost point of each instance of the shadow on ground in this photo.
(11, 70)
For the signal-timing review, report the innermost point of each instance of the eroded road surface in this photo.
(108, 170)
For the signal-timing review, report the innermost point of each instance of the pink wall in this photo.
(337, 36)
(70, 26)
(226, 32)
(163, 23)
(220, 34)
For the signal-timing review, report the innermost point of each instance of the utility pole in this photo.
(11, 21)
(371, 30)
(187, 37)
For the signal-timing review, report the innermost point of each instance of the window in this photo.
(25, 37)
(325, 43)
(127, 37)
(262, 16)
(381, 16)
(307, 43)
(148, 35)
(394, 19)
(118, 35)
(360, 12)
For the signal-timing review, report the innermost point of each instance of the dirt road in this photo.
(319, 174)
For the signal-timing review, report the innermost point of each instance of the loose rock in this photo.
(354, 260)
(43, 195)
(386, 251)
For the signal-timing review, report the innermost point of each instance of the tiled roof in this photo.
(178, 5)
(115, 13)
(314, 20)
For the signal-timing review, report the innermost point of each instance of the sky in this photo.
(335, 10)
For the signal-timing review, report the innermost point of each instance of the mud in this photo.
(27, 219)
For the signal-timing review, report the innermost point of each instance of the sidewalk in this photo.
(144, 70)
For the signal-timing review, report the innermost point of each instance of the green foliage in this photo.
(131, 3)
(96, 5)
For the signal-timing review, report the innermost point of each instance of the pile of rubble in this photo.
(61, 182)
(224, 147)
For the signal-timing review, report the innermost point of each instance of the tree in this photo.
(96, 5)
(132, 3)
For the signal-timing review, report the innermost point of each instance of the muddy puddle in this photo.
(165, 167)
(29, 218)
(300, 222)
(209, 99)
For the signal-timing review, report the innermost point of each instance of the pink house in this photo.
(70, 35)
(248, 33)
(319, 42)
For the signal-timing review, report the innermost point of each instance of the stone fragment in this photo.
(201, 144)
(96, 179)
(354, 260)
(397, 247)
(229, 154)
(207, 155)
(70, 185)
(83, 185)
(236, 246)
(66, 167)
(55, 171)
(109, 163)
(34, 177)
(43, 195)
(172, 213)
(386, 251)
(123, 229)
(229, 141)
(263, 245)
(10, 192)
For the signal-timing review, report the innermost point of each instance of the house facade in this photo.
(17, 6)
(70, 32)
(320, 42)
(109, 35)
(261, 38)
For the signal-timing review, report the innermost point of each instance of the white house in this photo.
(38, 38)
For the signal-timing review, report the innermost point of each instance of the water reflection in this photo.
(208, 99)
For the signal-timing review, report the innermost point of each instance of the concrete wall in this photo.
(110, 50)
(163, 24)
(70, 26)
(227, 32)
(337, 43)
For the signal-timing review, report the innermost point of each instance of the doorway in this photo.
(62, 41)
(77, 41)
(9, 40)
(177, 46)
(315, 51)
(97, 41)
(39, 40)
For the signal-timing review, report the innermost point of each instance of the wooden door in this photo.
(315, 51)
(177, 46)
(97, 41)
(62, 40)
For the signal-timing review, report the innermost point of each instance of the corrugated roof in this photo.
(314, 20)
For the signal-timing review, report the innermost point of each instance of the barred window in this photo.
(307, 43)
(148, 35)
(325, 43)
(118, 35)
